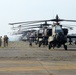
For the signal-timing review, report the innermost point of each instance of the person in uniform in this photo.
(30, 39)
(0, 41)
(5, 40)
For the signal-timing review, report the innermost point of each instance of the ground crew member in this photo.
(0, 41)
(30, 39)
(5, 40)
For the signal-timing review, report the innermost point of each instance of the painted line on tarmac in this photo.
(38, 68)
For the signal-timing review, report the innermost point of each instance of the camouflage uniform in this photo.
(0, 41)
(5, 40)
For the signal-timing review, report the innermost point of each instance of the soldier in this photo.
(0, 41)
(30, 39)
(45, 37)
(5, 40)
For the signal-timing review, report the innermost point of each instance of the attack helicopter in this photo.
(56, 36)
(37, 34)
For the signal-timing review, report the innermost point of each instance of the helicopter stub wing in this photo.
(71, 36)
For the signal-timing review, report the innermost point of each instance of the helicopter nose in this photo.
(59, 36)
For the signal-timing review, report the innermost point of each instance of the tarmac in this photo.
(21, 59)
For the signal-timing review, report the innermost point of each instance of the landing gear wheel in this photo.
(30, 44)
(49, 46)
(65, 47)
(36, 42)
(40, 43)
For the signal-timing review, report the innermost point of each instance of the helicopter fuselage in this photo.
(58, 37)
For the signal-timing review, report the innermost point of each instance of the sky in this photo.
(25, 10)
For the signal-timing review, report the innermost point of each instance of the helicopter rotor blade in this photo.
(69, 25)
(28, 22)
(25, 25)
(30, 25)
(25, 29)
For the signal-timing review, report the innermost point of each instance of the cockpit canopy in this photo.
(58, 28)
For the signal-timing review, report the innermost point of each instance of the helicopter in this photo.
(37, 35)
(56, 36)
